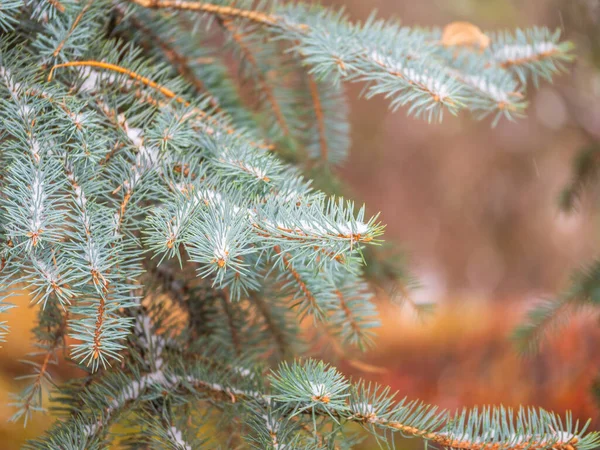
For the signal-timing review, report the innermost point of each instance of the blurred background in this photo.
(476, 209)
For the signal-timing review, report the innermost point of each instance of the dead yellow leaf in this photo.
(464, 34)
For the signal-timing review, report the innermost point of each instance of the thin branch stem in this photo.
(37, 384)
(298, 278)
(57, 5)
(319, 116)
(233, 395)
(97, 346)
(73, 26)
(114, 68)
(57, 340)
(264, 83)
(179, 61)
(154, 85)
(529, 59)
(221, 11)
(235, 338)
(273, 328)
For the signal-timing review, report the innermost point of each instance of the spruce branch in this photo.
(278, 331)
(319, 117)
(265, 84)
(554, 313)
(113, 67)
(535, 53)
(176, 58)
(405, 77)
(168, 93)
(314, 390)
(311, 306)
(51, 332)
(221, 11)
(74, 25)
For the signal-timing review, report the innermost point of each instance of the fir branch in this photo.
(535, 53)
(232, 326)
(265, 85)
(437, 89)
(51, 334)
(113, 67)
(582, 293)
(221, 11)
(315, 390)
(348, 313)
(312, 305)
(278, 335)
(540, 320)
(433, 84)
(168, 93)
(177, 59)
(319, 117)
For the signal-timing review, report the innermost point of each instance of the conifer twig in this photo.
(37, 384)
(235, 338)
(347, 312)
(73, 26)
(319, 116)
(233, 395)
(508, 63)
(178, 60)
(113, 67)
(57, 5)
(264, 83)
(308, 295)
(222, 11)
(278, 336)
(154, 85)
(26, 405)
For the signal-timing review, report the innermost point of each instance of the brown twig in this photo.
(298, 278)
(58, 338)
(235, 338)
(262, 80)
(222, 11)
(57, 5)
(73, 26)
(113, 67)
(273, 328)
(348, 312)
(319, 116)
(98, 329)
(28, 401)
(168, 93)
(179, 61)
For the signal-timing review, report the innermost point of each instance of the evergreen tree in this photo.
(153, 202)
